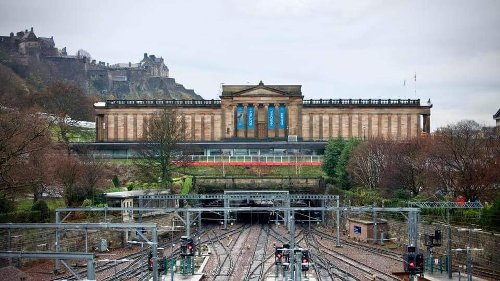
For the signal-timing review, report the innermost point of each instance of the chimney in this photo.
(129, 64)
(145, 55)
(32, 29)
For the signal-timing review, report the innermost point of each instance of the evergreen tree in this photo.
(341, 173)
(331, 156)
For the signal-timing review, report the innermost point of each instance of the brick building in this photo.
(268, 113)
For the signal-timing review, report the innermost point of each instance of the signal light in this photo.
(278, 256)
(419, 264)
(187, 246)
(150, 261)
(305, 260)
(190, 249)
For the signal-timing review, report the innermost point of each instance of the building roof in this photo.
(135, 193)
(497, 115)
(364, 221)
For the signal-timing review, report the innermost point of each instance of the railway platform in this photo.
(444, 277)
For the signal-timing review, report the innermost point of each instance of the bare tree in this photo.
(164, 131)
(407, 167)
(368, 162)
(23, 135)
(68, 174)
(67, 103)
(465, 160)
(93, 174)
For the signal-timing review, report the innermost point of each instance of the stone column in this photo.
(310, 126)
(115, 128)
(266, 115)
(202, 127)
(193, 127)
(427, 123)
(399, 128)
(223, 125)
(135, 127)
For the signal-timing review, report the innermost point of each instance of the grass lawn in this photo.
(25, 205)
(255, 171)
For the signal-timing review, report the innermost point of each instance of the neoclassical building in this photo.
(268, 113)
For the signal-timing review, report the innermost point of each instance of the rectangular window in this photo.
(357, 230)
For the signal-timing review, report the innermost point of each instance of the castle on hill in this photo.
(149, 78)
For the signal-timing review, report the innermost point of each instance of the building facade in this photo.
(268, 113)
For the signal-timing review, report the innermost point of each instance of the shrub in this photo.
(6, 205)
(116, 181)
(40, 211)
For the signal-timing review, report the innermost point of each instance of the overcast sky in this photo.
(334, 49)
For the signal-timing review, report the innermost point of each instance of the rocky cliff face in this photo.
(37, 59)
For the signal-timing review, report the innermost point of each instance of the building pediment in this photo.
(261, 90)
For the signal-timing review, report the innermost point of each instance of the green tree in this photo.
(341, 173)
(331, 156)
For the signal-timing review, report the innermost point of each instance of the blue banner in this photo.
(239, 118)
(282, 117)
(250, 118)
(270, 118)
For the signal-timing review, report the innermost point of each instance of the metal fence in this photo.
(255, 158)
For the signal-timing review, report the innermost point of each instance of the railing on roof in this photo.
(446, 205)
(362, 102)
(146, 103)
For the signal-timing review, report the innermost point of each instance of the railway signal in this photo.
(305, 260)
(410, 261)
(187, 246)
(419, 263)
(286, 254)
(278, 256)
(150, 261)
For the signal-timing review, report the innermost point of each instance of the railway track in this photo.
(324, 268)
(375, 250)
(366, 272)
(260, 256)
(225, 260)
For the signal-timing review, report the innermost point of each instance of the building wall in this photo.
(273, 112)
(390, 123)
(129, 124)
(213, 124)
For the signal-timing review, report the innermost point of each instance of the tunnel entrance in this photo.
(261, 217)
